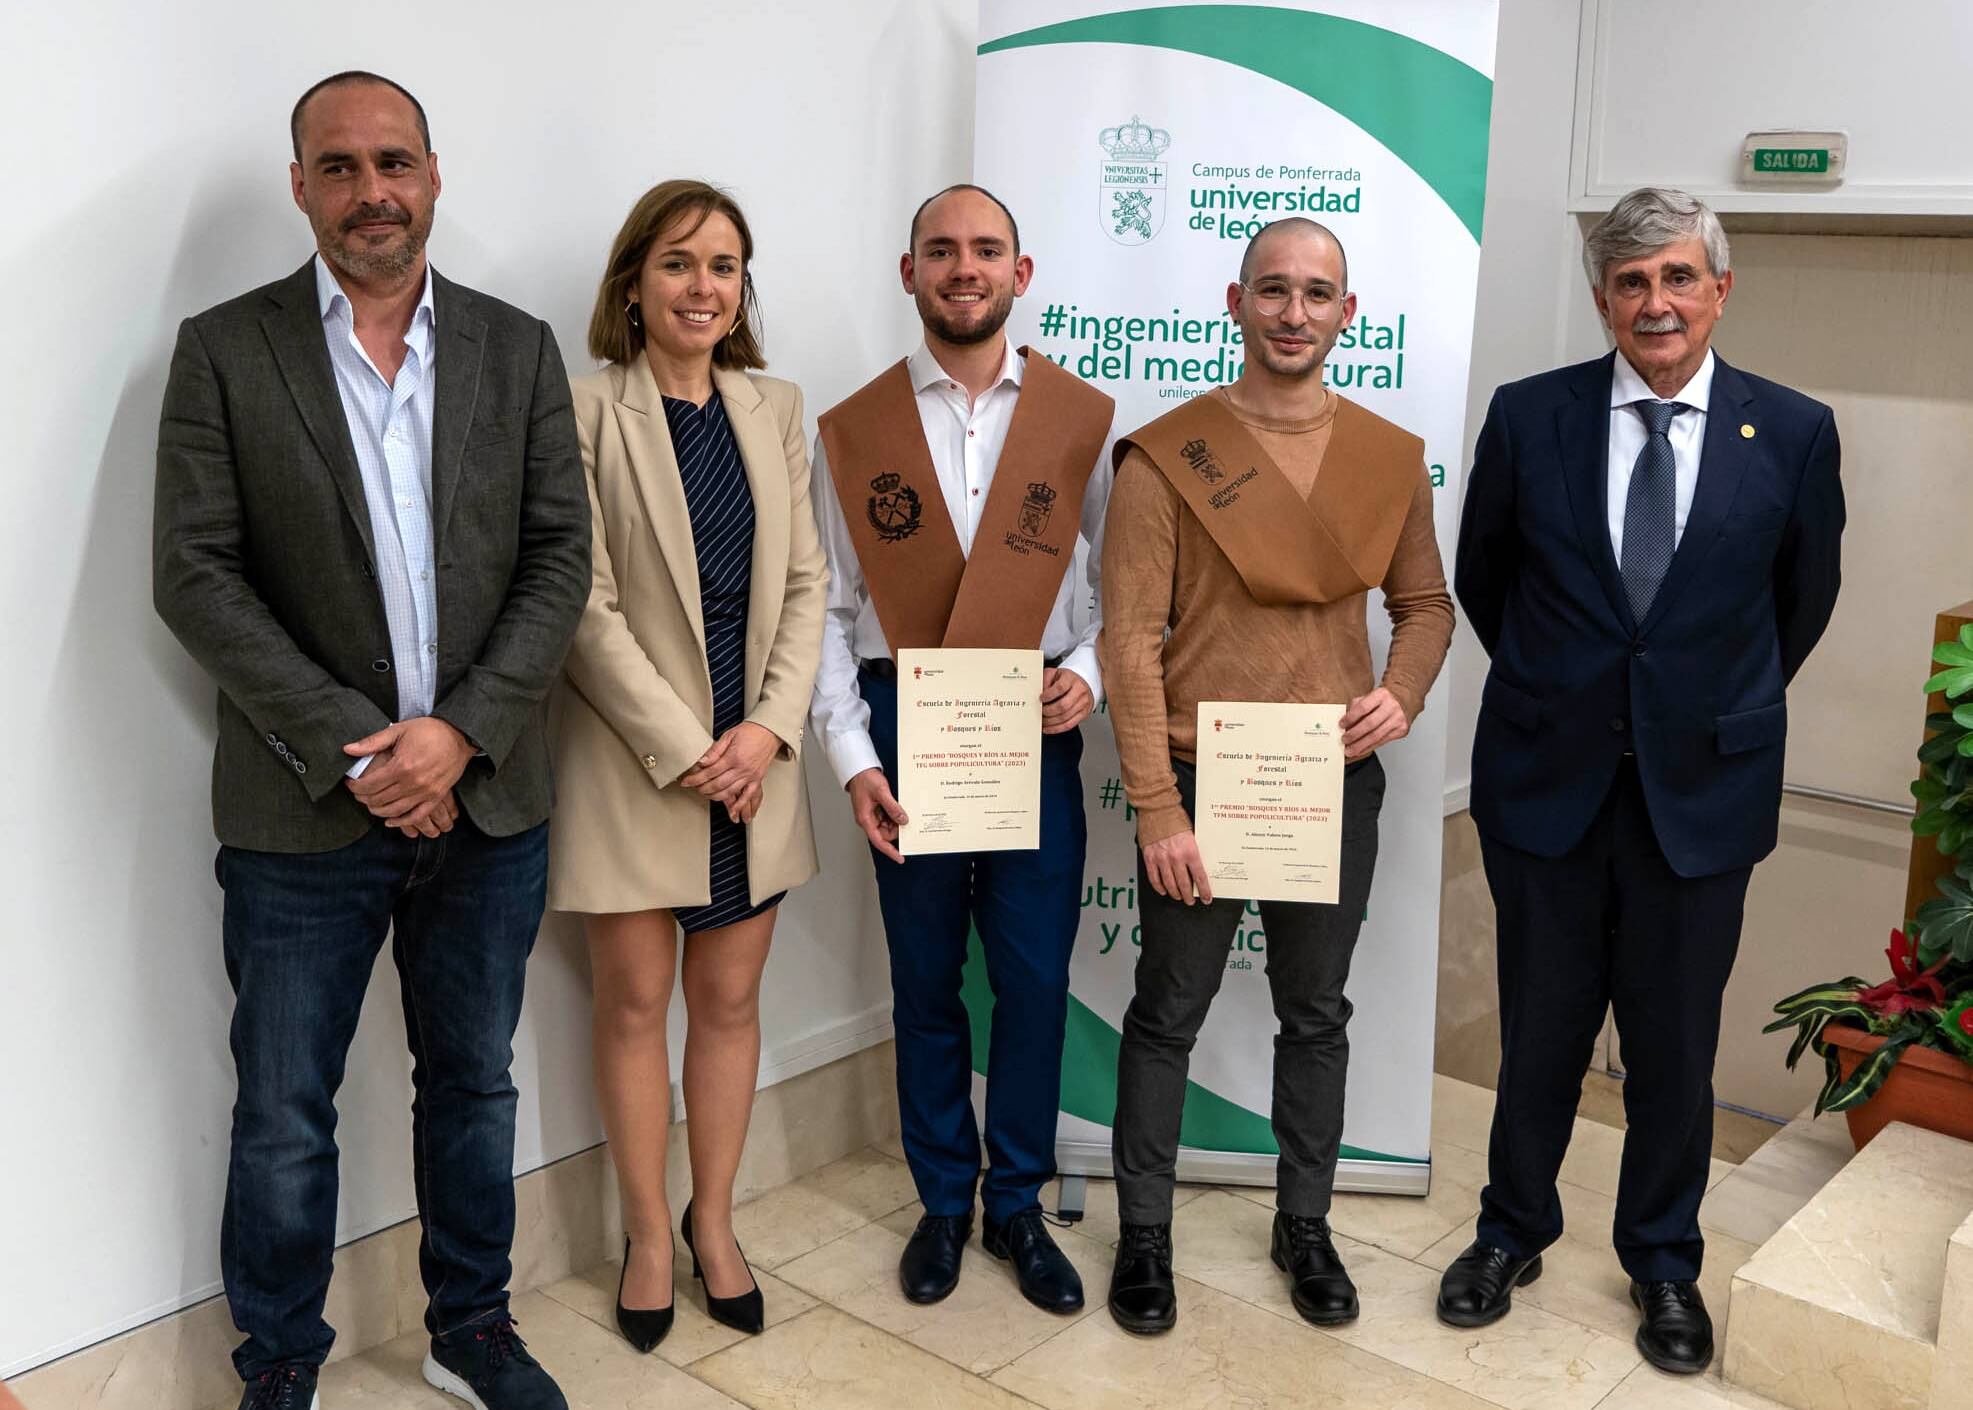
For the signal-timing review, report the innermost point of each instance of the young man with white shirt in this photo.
(926, 483)
(1649, 552)
(372, 530)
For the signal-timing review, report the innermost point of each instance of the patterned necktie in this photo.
(1649, 508)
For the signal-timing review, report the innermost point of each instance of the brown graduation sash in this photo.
(1335, 544)
(927, 592)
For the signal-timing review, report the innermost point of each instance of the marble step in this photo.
(1842, 1308)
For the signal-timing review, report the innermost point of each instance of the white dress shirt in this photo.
(1627, 435)
(390, 426)
(965, 442)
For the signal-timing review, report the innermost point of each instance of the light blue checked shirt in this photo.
(390, 425)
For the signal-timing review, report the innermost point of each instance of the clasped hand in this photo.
(732, 770)
(410, 780)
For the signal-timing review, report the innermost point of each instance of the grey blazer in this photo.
(262, 562)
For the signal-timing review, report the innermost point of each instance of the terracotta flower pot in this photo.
(1926, 1088)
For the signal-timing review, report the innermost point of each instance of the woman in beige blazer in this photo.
(678, 747)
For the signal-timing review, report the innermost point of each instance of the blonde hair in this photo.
(612, 335)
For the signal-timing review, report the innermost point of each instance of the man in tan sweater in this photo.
(1245, 531)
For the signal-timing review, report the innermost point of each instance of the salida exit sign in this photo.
(1806, 157)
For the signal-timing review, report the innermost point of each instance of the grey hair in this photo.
(1647, 220)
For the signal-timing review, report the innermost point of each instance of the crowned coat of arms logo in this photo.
(1132, 195)
(1200, 457)
(1035, 508)
(894, 508)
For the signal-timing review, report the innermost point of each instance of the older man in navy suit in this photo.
(1649, 552)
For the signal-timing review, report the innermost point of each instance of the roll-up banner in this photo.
(1140, 149)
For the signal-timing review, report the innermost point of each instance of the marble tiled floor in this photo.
(841, 1335)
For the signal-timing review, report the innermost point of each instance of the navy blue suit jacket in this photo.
(1698, 688)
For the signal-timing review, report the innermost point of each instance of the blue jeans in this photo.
(1026, 907)
(302, 932)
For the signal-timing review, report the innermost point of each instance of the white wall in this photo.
(1534, 311)
(146, 179)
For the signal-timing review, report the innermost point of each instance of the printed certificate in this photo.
(1269, 814)
(968, 750)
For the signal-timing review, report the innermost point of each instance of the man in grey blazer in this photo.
(372, 529)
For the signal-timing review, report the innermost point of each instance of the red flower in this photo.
(1966, 1022)
(1909, 989)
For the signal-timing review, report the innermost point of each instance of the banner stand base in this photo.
(1077, 1160)
(1071, 1198)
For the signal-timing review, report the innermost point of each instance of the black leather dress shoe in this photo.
(1142, 1298)
(1046, 1276)
(1321, 1286)
(1478, 1288)
(929, 1269)
(1676, 1334)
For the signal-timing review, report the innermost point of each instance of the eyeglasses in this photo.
(1271, 296)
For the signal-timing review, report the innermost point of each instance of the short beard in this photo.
(992, 320)
(393, 261)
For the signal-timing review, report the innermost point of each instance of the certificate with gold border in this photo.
(1269, 809)
(968, 750)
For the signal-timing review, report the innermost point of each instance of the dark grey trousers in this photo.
(1180, 963)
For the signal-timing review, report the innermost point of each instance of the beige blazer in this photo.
(635, 710)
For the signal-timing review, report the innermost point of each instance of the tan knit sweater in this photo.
(1161, 569)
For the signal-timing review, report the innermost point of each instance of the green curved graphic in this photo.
(1427, 107)
(1089, 1078)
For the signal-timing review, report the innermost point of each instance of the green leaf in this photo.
(1833, 1077)
(1966, 636)
(1821, 1012)
(1952, 837)
(1835, 991)
(1939, 719)
(1931, 822)
(1813, 1009)
(1871, 1073)
(1965, 746)
(1962, 715)
(1928, 790)
(1945, 924)
(1942, 746)
(1955, 681)
(1953, 653)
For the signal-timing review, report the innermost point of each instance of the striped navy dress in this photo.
(721, 506)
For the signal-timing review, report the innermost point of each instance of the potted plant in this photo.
(1902, 1050)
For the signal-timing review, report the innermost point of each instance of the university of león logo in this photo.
(894, 508)
(1200, 457)
(1132, 202)
(1035, 508)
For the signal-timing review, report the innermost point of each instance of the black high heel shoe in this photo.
(744, 1313)
(642, 1327)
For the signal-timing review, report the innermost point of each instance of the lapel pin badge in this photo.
(1746, 432)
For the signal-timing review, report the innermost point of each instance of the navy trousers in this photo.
(302, 933)
(1609, 926)
(1026, 906)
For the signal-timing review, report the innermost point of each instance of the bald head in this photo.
(1275, 236)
